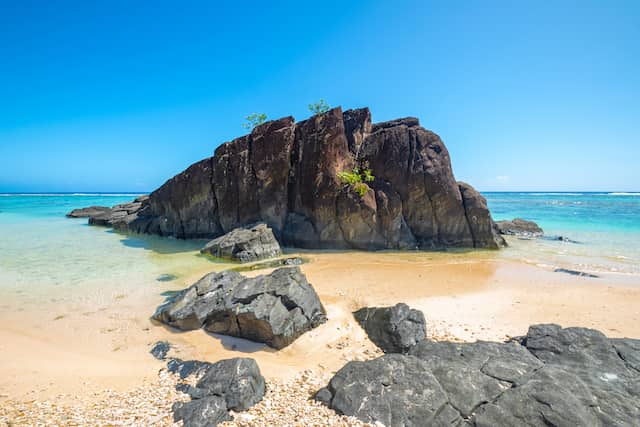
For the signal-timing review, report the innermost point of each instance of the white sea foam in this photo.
(623, 194)
(552, 194)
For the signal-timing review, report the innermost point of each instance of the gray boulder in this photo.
(274, 309)
(232, 384)
(553, 376)
(245, 244)
(519, 227)
(394, 329)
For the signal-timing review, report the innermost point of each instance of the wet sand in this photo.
(103, 341)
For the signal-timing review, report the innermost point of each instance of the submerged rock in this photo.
(232, 384)
(561, 377)
(575, 273)
(274, 309)
(166, 277)
(287, 175)
(245, 244)
(520, 227)
(394, 329)
(561, 239)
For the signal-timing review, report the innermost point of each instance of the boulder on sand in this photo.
(552, 376)
(245, 244)
(394, 329)
(232, 384)
(274, 309)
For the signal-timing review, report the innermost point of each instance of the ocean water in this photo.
(40, 246)
(41, 250)
(605, 225)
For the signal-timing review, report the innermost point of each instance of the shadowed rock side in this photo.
(274, 309)
(285, 174)
(554, 377)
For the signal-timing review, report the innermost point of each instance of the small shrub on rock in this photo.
(357, 179)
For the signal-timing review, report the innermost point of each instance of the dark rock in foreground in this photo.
(274, 309)
(561, 377)
(394, 329)
(245, 244)
(89, 212)
(520, 227)
(232, 384)
(286, 175)
(575, 273)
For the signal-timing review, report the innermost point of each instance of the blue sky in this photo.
(120, 95)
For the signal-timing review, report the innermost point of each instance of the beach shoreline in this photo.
(465, 297)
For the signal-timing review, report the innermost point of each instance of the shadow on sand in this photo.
(161, 245)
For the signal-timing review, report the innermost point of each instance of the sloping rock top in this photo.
(286, 175)
(560, 377)
(274, 309)
(245, 244)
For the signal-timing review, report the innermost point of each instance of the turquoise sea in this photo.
(605, 225)
(39, 245)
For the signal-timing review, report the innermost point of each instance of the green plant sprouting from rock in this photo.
(357, 179)
(254, 120)
(319, 107)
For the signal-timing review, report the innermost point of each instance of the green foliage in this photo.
(319, 107)
(254, 120)
(361, 188)
(357, 179)
(350, 178)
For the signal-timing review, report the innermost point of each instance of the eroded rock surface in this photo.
(285, 174)
(274, 309)
(555, 376)
(245, 244)
(232, 384)
(394, 329)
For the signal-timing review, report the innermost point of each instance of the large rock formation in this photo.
(285, 174)
(274, 309)
(553, 376)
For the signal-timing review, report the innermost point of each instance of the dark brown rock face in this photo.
(285, 174)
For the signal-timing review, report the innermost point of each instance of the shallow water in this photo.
(41, 248)
(605, 225)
